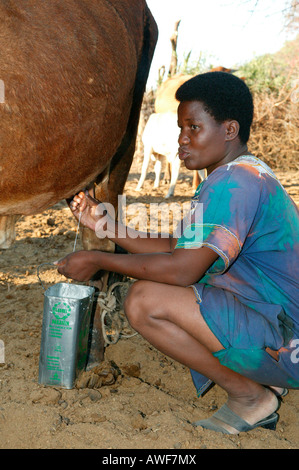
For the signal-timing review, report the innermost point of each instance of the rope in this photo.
(108, 302)
(38, 269)
(77, 231)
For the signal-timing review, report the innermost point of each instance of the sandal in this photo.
(280, 395)
(227, 416)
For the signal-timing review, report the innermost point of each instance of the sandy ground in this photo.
(146, 401)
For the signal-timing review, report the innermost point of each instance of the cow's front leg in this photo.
(146, 159)
(175, 170)
(157, 168)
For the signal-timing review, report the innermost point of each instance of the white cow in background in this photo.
(160, 139)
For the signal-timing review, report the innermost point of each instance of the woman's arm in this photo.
(135, 241)
(95, 215)
(182, 267)
(151, 257)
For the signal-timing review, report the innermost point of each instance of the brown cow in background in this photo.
(74, 74)
(166, 102)
(165, 97)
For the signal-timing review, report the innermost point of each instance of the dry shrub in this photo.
(274, 135)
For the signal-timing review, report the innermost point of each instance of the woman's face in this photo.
(203, 142)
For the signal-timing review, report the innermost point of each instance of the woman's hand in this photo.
(92, 211)
(79, 266)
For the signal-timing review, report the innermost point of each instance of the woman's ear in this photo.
(232, 130)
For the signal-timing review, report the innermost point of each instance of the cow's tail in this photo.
(150, 37)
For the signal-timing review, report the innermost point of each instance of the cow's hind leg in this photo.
(7, 230)
(198, 177)
(158, 168)
(122, 160)
(175, 170)
(167, 172)
(146, 158)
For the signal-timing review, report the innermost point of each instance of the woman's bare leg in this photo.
(170, 319)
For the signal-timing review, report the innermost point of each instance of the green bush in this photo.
(271, 72)
(265, 73)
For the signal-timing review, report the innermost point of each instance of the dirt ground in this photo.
(146, 401)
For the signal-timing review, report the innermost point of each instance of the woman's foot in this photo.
(279, 391)
(252, 410)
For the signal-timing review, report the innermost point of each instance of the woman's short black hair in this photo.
(224, 96)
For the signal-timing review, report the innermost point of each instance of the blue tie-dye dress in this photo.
(249, 297)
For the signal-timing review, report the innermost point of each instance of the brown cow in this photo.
(166, 102)
(74, 74)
